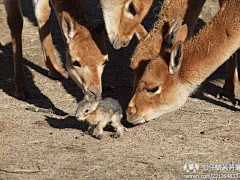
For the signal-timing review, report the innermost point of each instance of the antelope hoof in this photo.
(227, 95)
(22, 94)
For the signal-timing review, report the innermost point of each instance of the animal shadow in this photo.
(6, 81)
(68, 122)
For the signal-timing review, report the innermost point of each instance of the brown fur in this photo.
(15, 23)
(120, 23)
(86, 51)
(201, 57)
(149, 48)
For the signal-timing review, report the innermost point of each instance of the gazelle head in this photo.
(86, 56)
(161, 89)
(122, 18)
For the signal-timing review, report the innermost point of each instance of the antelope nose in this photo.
(95, 91)
(131, 104)
(116, 43)
(125, 41)
(131, 110)
(112, 37)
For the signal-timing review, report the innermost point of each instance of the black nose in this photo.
(125, 44)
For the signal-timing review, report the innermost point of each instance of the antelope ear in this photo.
(181, 34)
(173, 30)
(141, 32)
(101, 29)
(68, 27)
(176, 58)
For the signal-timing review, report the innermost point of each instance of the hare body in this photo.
(100, 113)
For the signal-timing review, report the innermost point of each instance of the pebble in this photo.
(1, 127)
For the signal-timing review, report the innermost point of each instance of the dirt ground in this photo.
(43, 140)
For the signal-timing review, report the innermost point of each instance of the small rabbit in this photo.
(99, 114)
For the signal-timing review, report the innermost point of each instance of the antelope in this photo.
(149, 47)
(122, 19)
(168, 80)
(86, 52)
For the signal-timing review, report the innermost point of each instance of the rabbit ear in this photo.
(94, 105)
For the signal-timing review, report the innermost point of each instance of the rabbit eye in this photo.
(86, 111)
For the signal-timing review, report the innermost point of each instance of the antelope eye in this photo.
(76, 63)
(131, 9)
(153, 90)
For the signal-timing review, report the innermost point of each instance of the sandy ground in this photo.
(42, 140)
